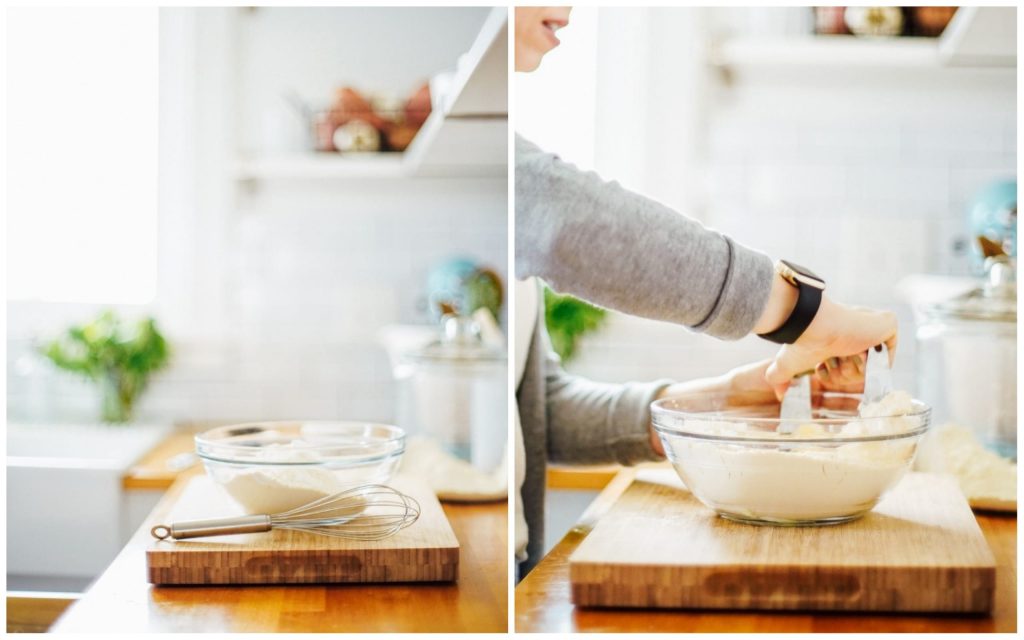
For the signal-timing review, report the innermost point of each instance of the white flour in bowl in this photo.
(275, 490)
(270, 489)
(804, 482)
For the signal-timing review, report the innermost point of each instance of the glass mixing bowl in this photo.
(738, 457)
(271, 467)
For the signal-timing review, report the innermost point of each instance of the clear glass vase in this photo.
(116, 405)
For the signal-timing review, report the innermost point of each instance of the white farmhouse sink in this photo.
(67, 513)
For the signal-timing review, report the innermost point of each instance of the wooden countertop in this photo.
(153, 471)
(542, 601)
(594, 477)
(122, 600)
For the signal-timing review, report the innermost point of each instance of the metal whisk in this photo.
(366, 512)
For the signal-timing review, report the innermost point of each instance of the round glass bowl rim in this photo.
(659, 413)
(219, 451)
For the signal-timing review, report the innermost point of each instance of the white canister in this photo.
(967, 360)
(455, 390)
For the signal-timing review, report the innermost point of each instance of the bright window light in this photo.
(82, 154)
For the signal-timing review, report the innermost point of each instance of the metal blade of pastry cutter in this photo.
(796, 404)
(877, 375)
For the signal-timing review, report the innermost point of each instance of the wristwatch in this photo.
(809, 288)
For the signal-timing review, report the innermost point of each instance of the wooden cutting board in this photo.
(919, 550)
(426, 551)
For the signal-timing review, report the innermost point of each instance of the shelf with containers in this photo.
(977, 38)
(465, 133)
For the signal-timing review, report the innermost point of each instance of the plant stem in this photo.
(117, 404)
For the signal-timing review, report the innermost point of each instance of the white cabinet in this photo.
(68, 514)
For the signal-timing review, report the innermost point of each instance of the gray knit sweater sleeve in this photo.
(596, 423)
(599, 241)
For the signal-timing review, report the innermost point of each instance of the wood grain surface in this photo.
(123, 601)
(426, 551)
(542, 598)
(920, 549)
(34, 612)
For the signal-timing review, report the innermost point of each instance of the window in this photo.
(82, 154)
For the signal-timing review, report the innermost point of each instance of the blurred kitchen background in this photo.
(283, 190)
(870, 146)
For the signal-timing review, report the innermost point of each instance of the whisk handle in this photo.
(215, 527)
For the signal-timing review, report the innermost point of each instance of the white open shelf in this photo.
(313, 165)
(466, 134)
(826, 51)
(468, 130)
(979, 37)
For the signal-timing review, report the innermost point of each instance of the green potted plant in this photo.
(567, 319)
(118, 356)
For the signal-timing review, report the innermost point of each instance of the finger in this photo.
(822, 373)
(832, 364)
(859, 360)
(841, 372)
(780, 371)
(891, 345)
(848, 371)
(780, 391)
(777, 380)
(789, 362)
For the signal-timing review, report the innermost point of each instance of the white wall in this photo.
(862, 175)
(271, 291)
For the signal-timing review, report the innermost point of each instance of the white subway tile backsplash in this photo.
(774, 185)
(949, 241)
(869, 140)
(727, 184)
(922, 186)
(957, 135)
(966, 181)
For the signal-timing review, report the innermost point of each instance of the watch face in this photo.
(805, 275)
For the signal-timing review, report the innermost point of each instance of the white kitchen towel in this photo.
(452, 478)
(987, 480)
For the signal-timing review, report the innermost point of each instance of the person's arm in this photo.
(597, 423)
(621, 250)
(618, 249)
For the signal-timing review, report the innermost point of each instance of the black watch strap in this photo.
(807, 303)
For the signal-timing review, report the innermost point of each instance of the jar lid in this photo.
(995, 301)
(460, 342)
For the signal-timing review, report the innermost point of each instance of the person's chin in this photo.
(528, 62)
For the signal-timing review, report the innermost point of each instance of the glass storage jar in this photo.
(967, 362)
(455, 390)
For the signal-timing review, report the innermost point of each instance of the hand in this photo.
(835, 344)
(748, 385)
